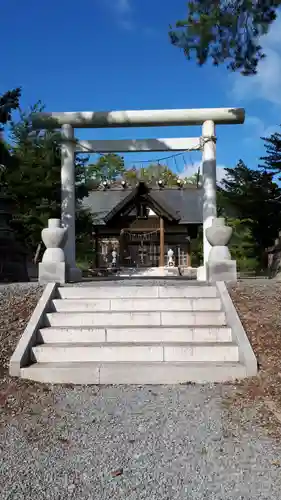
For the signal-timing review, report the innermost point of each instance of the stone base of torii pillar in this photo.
(53, 268)
(220, 266)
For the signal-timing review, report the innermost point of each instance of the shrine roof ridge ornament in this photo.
(138, 118)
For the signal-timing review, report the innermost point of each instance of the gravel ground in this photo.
(186, 441)
(137, 282)
(258, 305)
(137, 443)
(17, 302)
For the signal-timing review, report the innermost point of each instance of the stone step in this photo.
(115, 291)
(143, 318)
(136, 304)
(132, 373)
(150, 272)
(61, 335)
(116, 352)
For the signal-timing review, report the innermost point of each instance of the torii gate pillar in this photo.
(68, 204)
(209, 166)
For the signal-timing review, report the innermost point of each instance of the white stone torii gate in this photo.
(208, 118)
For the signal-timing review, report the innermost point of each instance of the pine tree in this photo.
(225, 32)
(272, 161)
(254, 198)
(33, 180)
(8, 103)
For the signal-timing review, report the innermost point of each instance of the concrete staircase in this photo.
(116, 333)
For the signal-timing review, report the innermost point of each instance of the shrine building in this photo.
(143, 223)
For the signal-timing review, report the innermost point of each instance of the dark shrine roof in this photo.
(184, 206)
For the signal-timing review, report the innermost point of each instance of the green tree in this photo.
(156, 171)
(131, 176)
(225, 31)
(272, 160)
(243, 247)
(194, 179)
(34, 178)
(108, 167)
(8, 103)
(254, 199)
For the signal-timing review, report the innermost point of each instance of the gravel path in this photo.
(17, 302)
(137, 282)
(137, 443)
(152, 443)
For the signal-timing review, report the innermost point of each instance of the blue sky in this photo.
(115, 54)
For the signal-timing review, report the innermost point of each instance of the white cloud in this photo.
(266, 84)
(123, 6)
(274, 35)
(256, 129)
(221, 173)
(122, 11)
(192, 169)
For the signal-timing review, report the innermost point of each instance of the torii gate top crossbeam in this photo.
(139, 118)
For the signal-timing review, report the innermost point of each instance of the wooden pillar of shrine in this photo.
(162, 243)
(121, 248)
(96, 246)
(188, 254)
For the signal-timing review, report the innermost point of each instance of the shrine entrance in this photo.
(140, 249)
